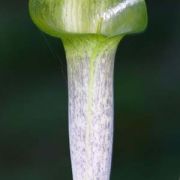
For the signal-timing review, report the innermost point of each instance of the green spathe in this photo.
(103, 17)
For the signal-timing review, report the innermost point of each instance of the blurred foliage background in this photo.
(33, 99)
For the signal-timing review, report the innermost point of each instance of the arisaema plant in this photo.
(90, 31)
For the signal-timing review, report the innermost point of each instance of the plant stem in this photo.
(90, 61)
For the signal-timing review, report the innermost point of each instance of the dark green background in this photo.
(33, 99)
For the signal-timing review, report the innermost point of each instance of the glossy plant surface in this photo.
(107, 17)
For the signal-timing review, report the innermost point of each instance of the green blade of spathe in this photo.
(104, 17)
